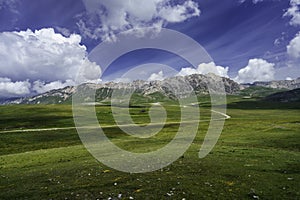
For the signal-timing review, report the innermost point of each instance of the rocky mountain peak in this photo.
(173, 87)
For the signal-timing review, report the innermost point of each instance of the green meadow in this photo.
(256, 157)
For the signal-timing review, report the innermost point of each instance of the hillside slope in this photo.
(287, 96)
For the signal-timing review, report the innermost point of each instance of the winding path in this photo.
(110, 126)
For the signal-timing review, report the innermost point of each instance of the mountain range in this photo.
(160, 89)
(283, 84)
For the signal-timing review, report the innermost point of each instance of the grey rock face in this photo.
(173, 88)
(285, 84)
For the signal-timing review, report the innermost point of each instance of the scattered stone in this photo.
(253, 194)
(207, 183)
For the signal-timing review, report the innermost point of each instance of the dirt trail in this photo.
(108, 126)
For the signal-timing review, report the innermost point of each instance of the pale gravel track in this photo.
(111, 126)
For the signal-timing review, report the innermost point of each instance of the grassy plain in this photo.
(257, 155)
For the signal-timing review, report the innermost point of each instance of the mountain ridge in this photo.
(280, 84)
(147, 89)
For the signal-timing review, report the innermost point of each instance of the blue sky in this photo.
(233, 32)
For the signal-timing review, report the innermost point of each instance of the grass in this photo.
(259, 91)
(35, 116)
(256, 155)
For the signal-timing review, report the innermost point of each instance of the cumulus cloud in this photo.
(256, 70)
(105, 18)
(293, 48)
(156, 76)
(179, 13)
(292, 68)
(293, 12)
(41, 86)
(9, 88)
(64, 31)
(205, 68)
(46, 57)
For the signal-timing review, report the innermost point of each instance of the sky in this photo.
(47, 44)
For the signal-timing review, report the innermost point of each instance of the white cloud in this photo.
(256, 70)
(41, 87)
(66, 32)
(156, 76)
(10, 89)
(205, 68)
(293, 49)
(257, 1)
(292, 68)
(254, 1)
(45, 56)
(10, 5)
(293, 12)
(179, 13)
(105, 18)
(3, 79)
